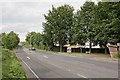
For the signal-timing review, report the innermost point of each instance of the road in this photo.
(40, 64)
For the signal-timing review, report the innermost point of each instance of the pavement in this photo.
(40, 64)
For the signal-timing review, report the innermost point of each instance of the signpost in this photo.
(69, 50)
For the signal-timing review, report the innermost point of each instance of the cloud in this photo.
(40, 1)
(22, 12)
(21, 27)
(26, 16)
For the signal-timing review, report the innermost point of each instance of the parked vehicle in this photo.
(32, 49)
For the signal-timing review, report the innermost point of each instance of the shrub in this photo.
(11, 67)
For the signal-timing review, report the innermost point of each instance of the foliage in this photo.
(34, 39)
(11, 68)
(95, 23)
(47, 37)
(10, 40)
(98, 24)
(84, 23)
(108, 21)
(58, 24)
(30, 37)
(116, 55)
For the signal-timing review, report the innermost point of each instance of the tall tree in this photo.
(10, 40)
(85, 23)
(47, 36)
(34, 39)
(30, 38)
(108, 23)
(37, 39)
(59, 20)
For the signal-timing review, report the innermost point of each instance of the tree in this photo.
(34, 39)
(78, 31)
(3, 39)
(14, 38)
(108, 21)
(30, 37)
(10, 40)
(37, 39)
(85, 23)
(47, 37)
(59, 21)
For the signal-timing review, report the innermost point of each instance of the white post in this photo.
(118, 44)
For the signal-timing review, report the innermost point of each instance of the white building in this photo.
(87, 45)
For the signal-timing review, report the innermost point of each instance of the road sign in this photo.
(68, 49)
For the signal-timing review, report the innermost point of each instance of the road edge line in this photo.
(82, 76)
(31, 69)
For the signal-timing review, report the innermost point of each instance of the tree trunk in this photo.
(90, 45)
(105, 49)
(60, 48)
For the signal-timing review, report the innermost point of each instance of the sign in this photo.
(118, 44)
(68, 49)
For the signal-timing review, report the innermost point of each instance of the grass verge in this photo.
(11, 67)
(116, 55)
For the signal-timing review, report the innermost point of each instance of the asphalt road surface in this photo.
(40, 64)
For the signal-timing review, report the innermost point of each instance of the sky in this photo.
(23, 16)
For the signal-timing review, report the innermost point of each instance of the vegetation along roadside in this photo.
(11, 67)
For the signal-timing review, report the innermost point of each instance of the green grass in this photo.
(116, 55)
(11, 67)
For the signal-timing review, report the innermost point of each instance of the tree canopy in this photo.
(10, 40)
(34, 39)
(94, 23)
(58, 24)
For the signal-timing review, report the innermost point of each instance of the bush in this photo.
(41, 46)
(11, 68)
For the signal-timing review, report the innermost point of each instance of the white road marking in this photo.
(81, 75)
(28, 57)
(45, 56)
(30, 69)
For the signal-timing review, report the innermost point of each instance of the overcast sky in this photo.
(23, 16)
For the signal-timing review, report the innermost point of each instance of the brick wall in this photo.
(112, 49)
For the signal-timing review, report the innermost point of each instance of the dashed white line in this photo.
(30, 69)
(81, 75)
(45, 56)
(28, 57)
